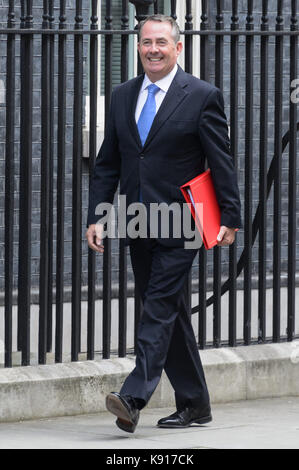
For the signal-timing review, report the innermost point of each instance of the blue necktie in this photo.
(147, 116)
(148, 113)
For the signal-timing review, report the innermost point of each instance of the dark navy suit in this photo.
(188, 133)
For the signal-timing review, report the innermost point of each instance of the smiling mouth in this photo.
(151, 59)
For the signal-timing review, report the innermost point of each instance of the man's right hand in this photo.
(94, 235)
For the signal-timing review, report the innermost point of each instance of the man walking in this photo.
(163, 127)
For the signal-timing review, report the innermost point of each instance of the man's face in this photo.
(157, 49)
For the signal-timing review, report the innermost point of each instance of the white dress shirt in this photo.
(163, 84)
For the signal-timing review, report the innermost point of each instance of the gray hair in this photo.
(162, 19)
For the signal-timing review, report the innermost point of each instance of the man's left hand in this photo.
(226, 236)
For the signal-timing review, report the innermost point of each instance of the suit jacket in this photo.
(189, 132)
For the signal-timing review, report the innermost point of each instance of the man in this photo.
(163, 127)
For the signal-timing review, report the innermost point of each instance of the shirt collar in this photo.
(164, 83)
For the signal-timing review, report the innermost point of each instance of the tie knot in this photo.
(152, 89)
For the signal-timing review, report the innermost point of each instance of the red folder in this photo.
(206, 212)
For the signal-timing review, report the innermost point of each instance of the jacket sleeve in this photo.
(106, 173)
(213, 132)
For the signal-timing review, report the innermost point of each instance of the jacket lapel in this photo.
(131, 106)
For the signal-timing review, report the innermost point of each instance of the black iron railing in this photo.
(215, 30)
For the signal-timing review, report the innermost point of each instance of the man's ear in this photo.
(179, 47)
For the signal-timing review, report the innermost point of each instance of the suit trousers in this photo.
(165, 338)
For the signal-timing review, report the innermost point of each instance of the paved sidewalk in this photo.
(271, 423)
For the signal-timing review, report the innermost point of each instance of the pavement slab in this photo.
(270, 423)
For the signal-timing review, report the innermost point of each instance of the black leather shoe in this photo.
(186, 417)
(124, 408)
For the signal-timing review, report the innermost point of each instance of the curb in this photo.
(240, 373)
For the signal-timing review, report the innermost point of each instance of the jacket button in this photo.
(141, 155)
